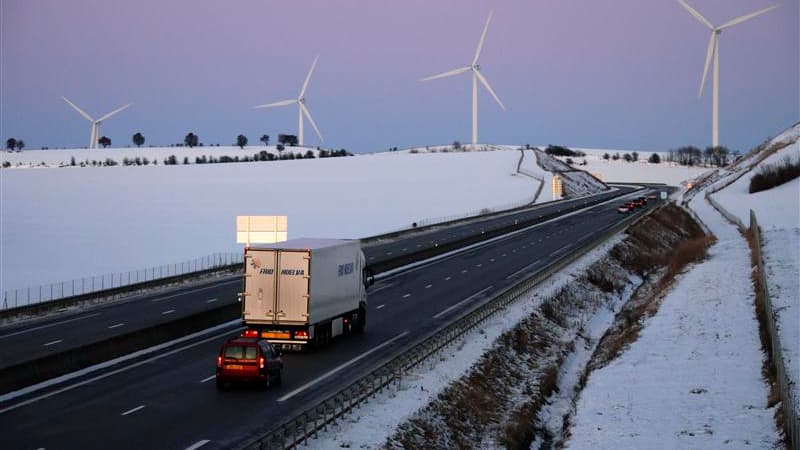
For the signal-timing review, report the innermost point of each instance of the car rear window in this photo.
(241, 352)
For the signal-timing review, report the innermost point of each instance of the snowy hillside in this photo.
(70, 222)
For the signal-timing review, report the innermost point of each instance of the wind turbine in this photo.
(95, 123)
(476, 76)
(713, 51)
(302, 108)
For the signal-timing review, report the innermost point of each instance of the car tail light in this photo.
(250, 333)
(219, 361)
(261, 362)
(301, 334)
(346, 320)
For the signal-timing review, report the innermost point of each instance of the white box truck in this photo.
(301, 293)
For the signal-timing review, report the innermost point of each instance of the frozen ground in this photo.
(639, 171)
(693, 377)
(778, 213)
(371, 424)
(64, 223)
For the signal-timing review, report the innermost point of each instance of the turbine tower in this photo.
(302, 108)
(713, 51)
(95, 123)
(476, 76)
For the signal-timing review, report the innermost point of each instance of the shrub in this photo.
(6, 164)
(110, 162)
(558, 150)
(772, 175)
(654, 159)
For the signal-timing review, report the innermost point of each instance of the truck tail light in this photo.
(301, 334)
(261, 362)
(250, 333)
(219, 361)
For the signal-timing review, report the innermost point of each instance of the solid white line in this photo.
(131, 411)
(168, 312)
(28, 330)
(54, 342)
(337, 369)
(211, 300)
(522, 270)
(113, 362)
(209, 378)
(462, 302)
(198, 444)
(380, 306)
(407, 295)
(116, 326)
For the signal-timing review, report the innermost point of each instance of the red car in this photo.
(249, 360)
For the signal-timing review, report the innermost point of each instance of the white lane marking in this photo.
(478, 265)
(461, 302)
(522, 270)
(209, 378)
(428, 286)
(28, 330)
(113, 362)
(464, 271)
(388, 253)
(419, 245)
(491, 260)
(156, 300)
(198, 444)
(131, 411)
(168, 312)
(447, 278)
(407, 295)
(403, 250)
(371, 257)
(380, 306)
(342, 366)
(117, 325)
(378, 289)
(211, 300)
(54, 342)
(503, 255)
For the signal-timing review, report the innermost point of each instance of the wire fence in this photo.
(79, 286)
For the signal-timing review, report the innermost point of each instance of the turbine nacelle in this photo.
(95, 135)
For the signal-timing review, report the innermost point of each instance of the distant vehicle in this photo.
(301, 293)
(623, 209)
(249, 360)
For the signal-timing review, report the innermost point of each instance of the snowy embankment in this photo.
(63, 223)
(778, 213)
(693, 379)
(639, 171)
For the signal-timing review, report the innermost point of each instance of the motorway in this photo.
(36, 339)
(168, 399)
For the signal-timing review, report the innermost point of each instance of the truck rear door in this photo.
(260, 285)
(293, 286)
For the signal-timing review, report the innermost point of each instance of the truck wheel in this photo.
(362, 320)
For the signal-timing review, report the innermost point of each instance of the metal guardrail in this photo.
(789, 403)
(307, 424)
(80, 286)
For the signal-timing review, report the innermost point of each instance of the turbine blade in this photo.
(696, 14)
(80, 111)
(483, 36)
(712, 48)
(448, 74)
(307, 113)
(308, 77)
(489, 88)
(114, 112)
(741, 19)
(280, 103)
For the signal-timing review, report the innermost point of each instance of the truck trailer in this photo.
(301, 293)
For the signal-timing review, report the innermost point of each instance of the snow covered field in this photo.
(778, 213)
(700, 356)
(638, 171)
(64, 223)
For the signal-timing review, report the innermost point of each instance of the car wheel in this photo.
(220, 384)
(278, 378)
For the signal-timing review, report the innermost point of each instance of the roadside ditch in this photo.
(519, 393)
